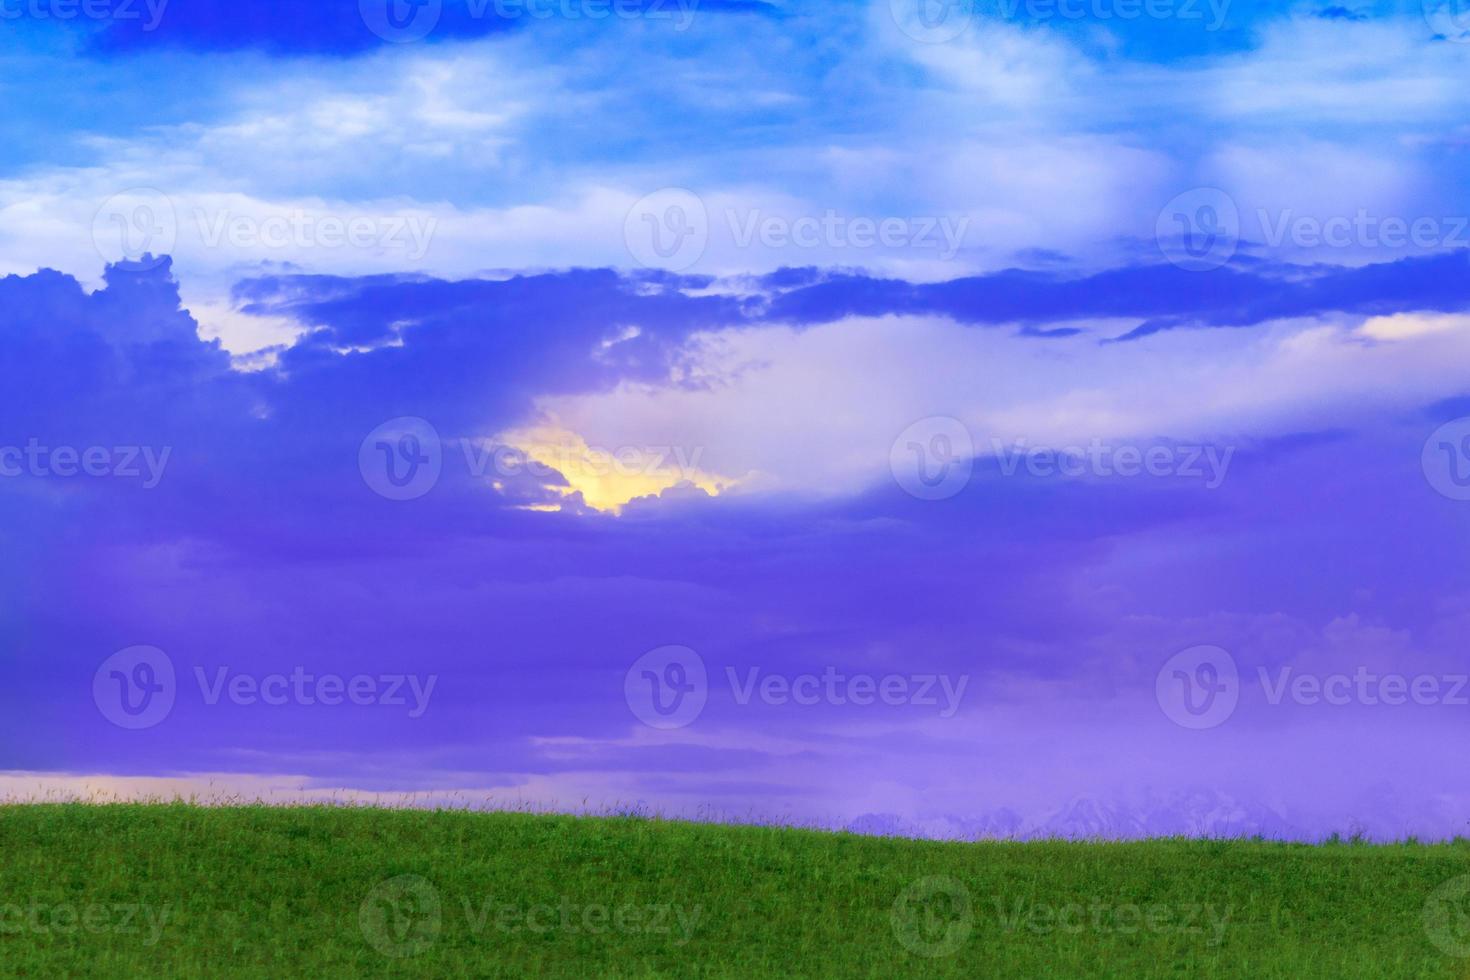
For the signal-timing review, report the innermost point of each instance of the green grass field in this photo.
(256, 891)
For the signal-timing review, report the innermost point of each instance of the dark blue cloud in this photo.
(1183, 29)
(322, 27)
(349, 27)
(1161, 32)
(263, 548)
(1160, 297)
(1339, 12)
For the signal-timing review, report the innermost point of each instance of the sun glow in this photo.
(608, 477)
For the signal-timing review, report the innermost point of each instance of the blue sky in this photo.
(785, 258)
(1054, 135)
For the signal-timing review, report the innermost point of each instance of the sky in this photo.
(956, 419)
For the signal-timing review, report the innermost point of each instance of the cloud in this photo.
(292, 343)
(264, 549)
(1246, 293)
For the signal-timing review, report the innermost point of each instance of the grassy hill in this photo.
(256, 891)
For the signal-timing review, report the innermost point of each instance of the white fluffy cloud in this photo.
(460, 158)
(817, 410)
